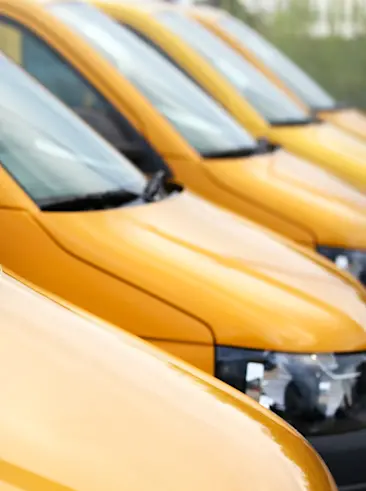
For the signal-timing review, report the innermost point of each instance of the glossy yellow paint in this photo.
(86, 407)
(350, 120)
(155, 255)
(210, 17)
(290, 195)
(180, 272)
(326, 145)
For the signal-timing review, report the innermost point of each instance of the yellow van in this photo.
(87, 408)
(167, 122)
(281, 70)
(262, 108)
(270, 318)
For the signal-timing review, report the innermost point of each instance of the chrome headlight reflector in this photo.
(351, 260)
(316, 393)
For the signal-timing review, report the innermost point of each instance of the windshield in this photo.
(197, 117)
(275, 106)
(296, 79)
(49, 151)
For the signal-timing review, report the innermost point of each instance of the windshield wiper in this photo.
(235, 153)
(337, 106)
(155, 187)
(296, 122)
(92, 201)
(263, 146)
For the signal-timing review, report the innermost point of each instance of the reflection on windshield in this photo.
(296, 79)
(205, 125)
(50, 152)
(270, 102)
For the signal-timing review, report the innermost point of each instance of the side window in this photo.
(68, 85)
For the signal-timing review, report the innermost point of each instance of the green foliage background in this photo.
(338, 63)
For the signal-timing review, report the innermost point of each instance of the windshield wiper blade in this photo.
(155, 187)
(296, 122)
(265, 146)
(235, 153)
(92, 201)
(337, 106)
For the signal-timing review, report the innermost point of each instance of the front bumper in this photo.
(345, 456)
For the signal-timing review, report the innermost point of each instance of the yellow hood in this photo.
(87, 408)
(295, 190)
(336, 151)
(265, 293)
(350, 120)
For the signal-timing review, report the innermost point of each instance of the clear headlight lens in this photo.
(316, 393)
(348, 259)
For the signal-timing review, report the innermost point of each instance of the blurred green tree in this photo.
(329, 43)
(237, 8)
(287, 14)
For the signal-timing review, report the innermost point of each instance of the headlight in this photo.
(316, 393)
(351, 260)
